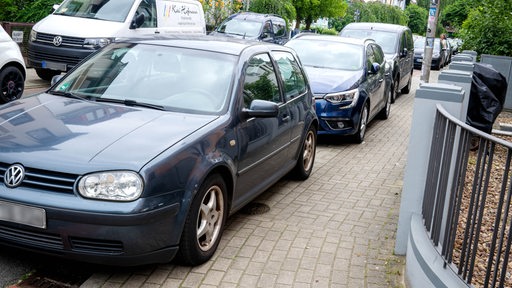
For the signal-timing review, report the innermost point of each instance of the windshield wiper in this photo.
(67, 94)
(128, 102)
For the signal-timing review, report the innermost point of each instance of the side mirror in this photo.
(261, 109)
(404, 52)
(375, 68)
(137, 21)
(55, 79)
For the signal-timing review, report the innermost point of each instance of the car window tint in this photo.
(293, 79)
(378, 54)
(148, 8)
(387, 40)
(260, 80)
(328, 54)
(370, 58)
(279, 29)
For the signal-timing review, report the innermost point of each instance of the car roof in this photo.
(255, 16)
(205, 42)
(333, 38)
(375, 26)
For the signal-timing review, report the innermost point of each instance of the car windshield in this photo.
(175, 79)
(240, 27)
(110, 10)
(328, 54)
(386, 40)
(420, 44)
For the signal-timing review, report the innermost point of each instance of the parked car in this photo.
(77, 28)
(350, 78)
(12, 69)
(439, 57)
(255, 26)
(398, 46)
(141, 152)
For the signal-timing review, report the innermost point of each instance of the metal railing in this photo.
(467, 202)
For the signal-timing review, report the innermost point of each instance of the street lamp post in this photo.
(429, 40)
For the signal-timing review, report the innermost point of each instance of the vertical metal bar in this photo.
(443, 182)
(489, 156)
(497, 225)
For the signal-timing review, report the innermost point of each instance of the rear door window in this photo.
(293, 78)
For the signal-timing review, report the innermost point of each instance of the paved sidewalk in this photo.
(337, 229)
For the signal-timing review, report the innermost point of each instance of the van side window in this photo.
(378, 54)
(148, 8)
(260, 80)
(293, 79)
(267, 28)
(370, 59)
(279, 29)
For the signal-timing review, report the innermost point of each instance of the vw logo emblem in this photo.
(14, 175)
(57, 40)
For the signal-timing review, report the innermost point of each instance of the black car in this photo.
(351, 81)
(439, 55)
(398, 46)
(254, 26)
(141, 152)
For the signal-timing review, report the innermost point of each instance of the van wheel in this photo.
(11, 84)
(46, 74)
(395, 89)
(205, 222)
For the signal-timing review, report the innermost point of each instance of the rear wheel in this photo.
(395, 89)
(12, 84)
(306, 159)
(205, 222)
(384, 113)
(363, 122)
(46, 74)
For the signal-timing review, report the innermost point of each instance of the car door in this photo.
(263, 141)
(375, 80)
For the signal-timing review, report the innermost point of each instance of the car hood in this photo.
(325, 81)
(52, 132)
(52, 24)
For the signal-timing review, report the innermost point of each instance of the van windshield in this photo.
(386, 40)
(241, 27)
(110, 10)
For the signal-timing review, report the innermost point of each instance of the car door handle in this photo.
(380, 80)
(286, 118)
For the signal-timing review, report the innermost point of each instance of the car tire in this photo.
(307, 154)
(12, 84)
(46, 74)
(205, 222)
(361, 127)
(395, 89)
(407, 87)
(386, 110)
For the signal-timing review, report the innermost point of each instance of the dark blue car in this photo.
(350, 79)
(141, 152)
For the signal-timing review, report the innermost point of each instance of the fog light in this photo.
(340, 125)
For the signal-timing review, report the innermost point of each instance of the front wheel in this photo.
(363, 122)
(12, 84)
(205, 222)
(407, 87)
(306, 159)
(396, 92)
(46, 74)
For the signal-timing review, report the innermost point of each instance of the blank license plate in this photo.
(21, 214)
(53, 65)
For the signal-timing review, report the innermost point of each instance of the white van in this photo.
(79, 27)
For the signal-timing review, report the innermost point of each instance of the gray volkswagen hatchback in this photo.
(141, 152)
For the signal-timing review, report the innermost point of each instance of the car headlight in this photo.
(96, 43)
(33, 35)
(337, 98)
(111, 185)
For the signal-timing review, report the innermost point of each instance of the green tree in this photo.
(283, 8)
(26, 11)
(418, 18)
(311, 10)
(488, 28)
(453, 15)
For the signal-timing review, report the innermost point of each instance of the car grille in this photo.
(66, 41)
(54, 242)
(96, 246)
(40, 56)
(45, 180)
(28, 238)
